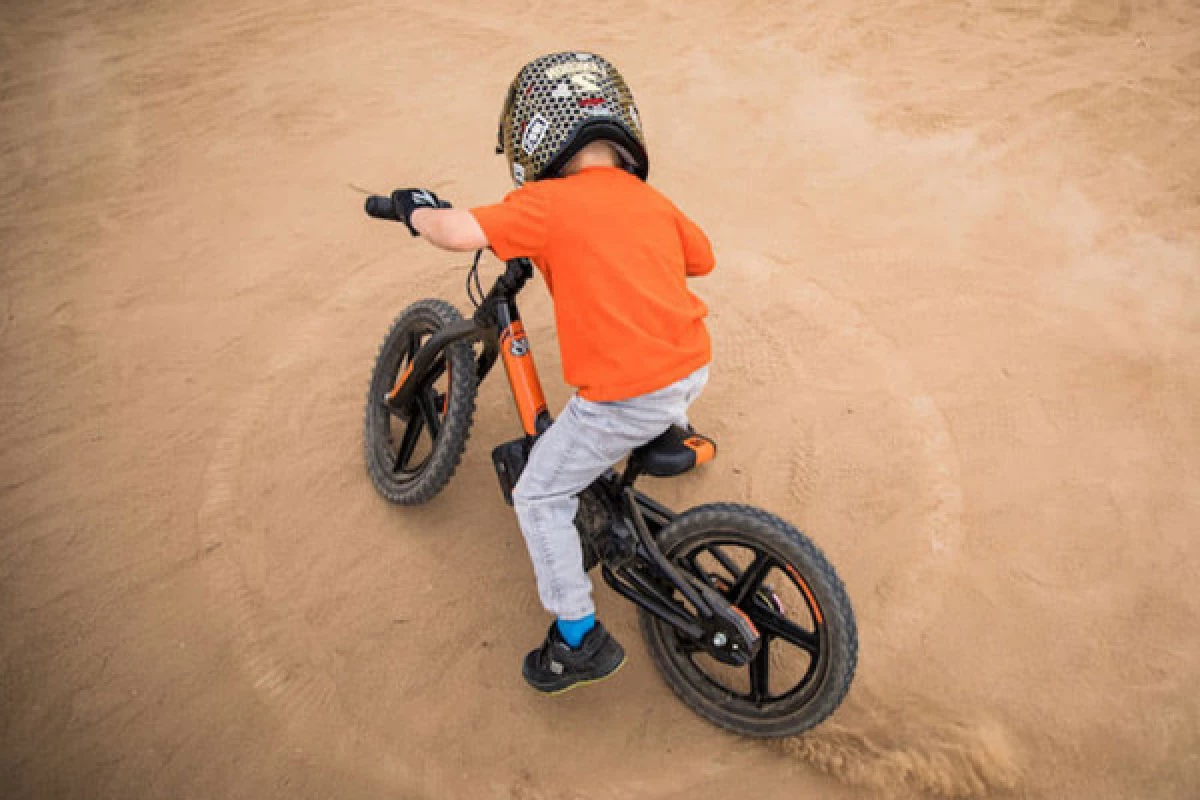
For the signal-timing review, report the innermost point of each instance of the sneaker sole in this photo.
(576, 684)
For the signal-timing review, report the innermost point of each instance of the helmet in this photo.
(560, 102)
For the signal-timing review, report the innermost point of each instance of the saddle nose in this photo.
(675, 452)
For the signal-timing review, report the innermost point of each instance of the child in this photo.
(615, 255)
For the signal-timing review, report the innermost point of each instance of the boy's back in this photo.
(615, 254)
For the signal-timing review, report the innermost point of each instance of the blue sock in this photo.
(573, 630)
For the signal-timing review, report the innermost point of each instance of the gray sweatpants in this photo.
(585, 440)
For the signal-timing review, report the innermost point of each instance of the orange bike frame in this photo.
(522, 372)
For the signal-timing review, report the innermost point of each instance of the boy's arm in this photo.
(426, 214)
(450, 229)
(514, 228)
(697, 250)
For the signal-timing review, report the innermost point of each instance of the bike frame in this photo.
(633, 564)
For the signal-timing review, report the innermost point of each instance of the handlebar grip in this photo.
(381, 208)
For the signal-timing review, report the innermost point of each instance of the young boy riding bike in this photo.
(615, 255)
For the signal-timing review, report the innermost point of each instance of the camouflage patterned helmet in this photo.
(560, 102)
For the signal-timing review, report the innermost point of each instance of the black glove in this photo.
(406, 201)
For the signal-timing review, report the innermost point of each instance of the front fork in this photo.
(522, 372)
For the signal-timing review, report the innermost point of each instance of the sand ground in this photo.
(957, 324)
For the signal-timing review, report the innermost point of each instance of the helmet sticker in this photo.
(518, 174)
(535, 131)
(585, 82)
(561, 92)
(569, 68)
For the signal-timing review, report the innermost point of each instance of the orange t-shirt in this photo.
(615, 255)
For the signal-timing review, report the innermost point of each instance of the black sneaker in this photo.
(556, 667)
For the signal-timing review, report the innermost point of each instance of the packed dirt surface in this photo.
(957, 328)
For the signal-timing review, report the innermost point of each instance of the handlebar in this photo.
(381, 208)
(516, 274)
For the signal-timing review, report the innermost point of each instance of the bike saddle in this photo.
(675, 452)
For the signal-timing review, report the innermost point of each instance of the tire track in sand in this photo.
(782, 358)
(874, 744)
(929, 757)
(299, 696)
(302, 695)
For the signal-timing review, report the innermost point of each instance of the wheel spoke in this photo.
(408, 443)
(748, 582)
(691, 565)
(429, 412)
(436, 371)
(724, 560)
(772, 624)
(760, 672)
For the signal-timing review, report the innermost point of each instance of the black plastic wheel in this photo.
(411, 455)
(782, 582)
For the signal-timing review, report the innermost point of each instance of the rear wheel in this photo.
(783, 584)
(412, 454)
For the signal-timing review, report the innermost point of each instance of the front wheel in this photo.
(411, 455)
(775, 576)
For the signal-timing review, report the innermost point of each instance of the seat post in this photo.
(633, 469)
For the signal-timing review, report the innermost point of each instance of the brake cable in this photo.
(473, 273)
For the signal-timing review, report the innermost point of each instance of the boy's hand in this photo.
(407, 201)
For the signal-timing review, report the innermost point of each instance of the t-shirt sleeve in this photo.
(517, 227)
(697, 250)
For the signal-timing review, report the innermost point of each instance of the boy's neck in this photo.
(594, 154)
